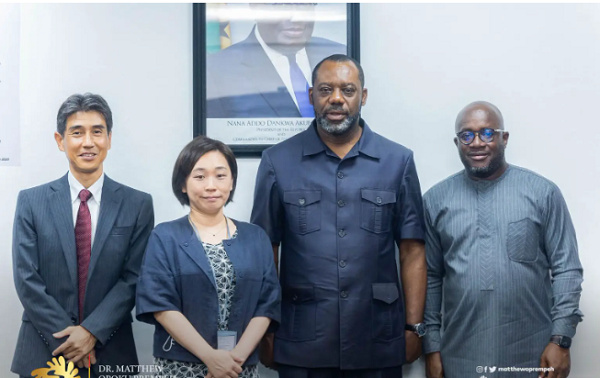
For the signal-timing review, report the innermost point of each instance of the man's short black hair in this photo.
(340, 58)
(189, 156)
(86, 102)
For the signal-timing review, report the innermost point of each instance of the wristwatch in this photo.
(420, 329)
(561, 341)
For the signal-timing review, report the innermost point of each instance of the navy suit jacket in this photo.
(241, 81)
(45, 271)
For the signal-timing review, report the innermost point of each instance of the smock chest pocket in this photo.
(522, 241)
(303, 210)
(377, 208)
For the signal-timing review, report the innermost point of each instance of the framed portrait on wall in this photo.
(253, 65)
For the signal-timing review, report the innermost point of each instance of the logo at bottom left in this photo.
(58, 367)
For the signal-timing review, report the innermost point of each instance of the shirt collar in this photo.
(76, 187)
(312, 143)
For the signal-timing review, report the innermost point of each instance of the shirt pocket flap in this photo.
(301, 294)
(378, 197)
(301, 197)
(385, 292)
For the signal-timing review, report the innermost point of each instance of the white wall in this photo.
(423, 63)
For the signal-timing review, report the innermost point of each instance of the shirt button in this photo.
(341, 203)
(301, 201)
(344, 294)
(342, 233)
(378, 199)
(343, 263)
(340, 175)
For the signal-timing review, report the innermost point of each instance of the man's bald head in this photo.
(479, 109)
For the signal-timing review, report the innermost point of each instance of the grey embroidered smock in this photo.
(503, 271)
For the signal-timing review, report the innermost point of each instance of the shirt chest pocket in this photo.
(303, 210)
(523, 240)
(377, 207)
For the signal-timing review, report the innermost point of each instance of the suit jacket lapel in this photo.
(62, 211)
(258, 62)
(109, 209)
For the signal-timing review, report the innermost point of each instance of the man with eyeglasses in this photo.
(504, 276)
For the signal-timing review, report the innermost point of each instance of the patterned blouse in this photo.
(225, 280)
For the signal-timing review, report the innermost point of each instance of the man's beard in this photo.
(484, 172)
(336, 128)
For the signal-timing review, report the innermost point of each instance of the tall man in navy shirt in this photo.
(336, 197)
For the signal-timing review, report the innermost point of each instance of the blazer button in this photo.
(73, 320)
(342, 263)
(340, 175)
(344, 294)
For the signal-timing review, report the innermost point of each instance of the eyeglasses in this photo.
(485, 135)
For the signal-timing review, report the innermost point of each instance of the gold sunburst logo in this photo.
(57, 368)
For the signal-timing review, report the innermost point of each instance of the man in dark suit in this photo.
(267, 74)
(78, 244)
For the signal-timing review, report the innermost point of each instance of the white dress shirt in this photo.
(93, 202)
(282, 65)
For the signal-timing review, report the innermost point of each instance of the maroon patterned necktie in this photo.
(83, 241)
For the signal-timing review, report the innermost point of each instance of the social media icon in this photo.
(479, 369)
(492, 369)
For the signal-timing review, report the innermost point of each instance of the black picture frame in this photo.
(200, 67)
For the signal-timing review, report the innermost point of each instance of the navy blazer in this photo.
(242, 82)
(45, 272)
(176, 275)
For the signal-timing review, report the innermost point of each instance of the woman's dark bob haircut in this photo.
(189, 156)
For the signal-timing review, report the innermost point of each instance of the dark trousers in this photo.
(288, 371)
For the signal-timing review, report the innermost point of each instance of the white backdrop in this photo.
(538, 63)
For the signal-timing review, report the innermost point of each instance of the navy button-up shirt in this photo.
(337, 220)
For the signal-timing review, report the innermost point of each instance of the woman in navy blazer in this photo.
(207, 282)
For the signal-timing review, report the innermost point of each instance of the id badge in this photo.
(226, 340)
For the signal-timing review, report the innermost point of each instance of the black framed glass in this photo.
(486, 135)
(240, 94)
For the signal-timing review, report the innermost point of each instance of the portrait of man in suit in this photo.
(78, 244)
(268, 73)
